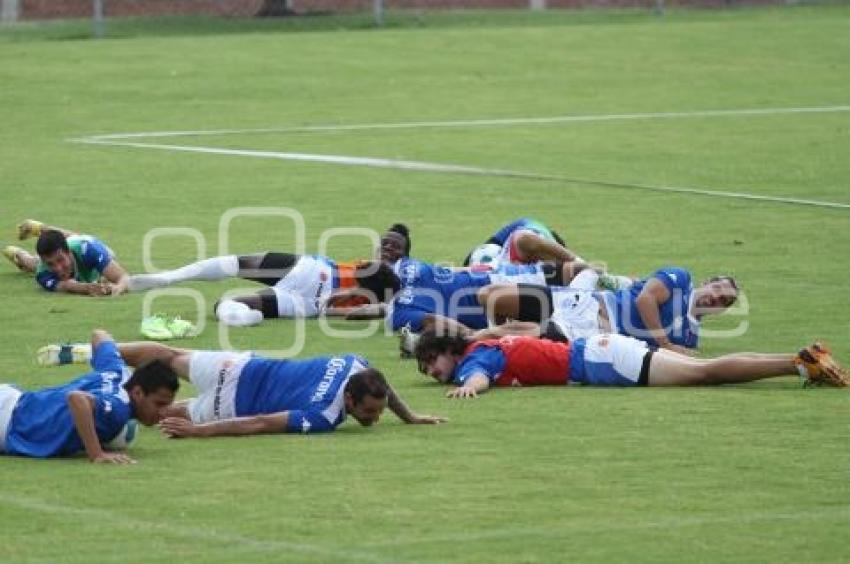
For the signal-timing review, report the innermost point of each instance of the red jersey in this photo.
(517, 361)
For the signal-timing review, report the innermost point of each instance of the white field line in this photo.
(122, 140)
(582, 526)
(476, 122)
(198, 534)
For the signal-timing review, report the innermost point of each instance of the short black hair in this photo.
(402, 230)
(50, 241)
(377, 278)
(732, 282)
(152, 376)
(432, 344)
(367, 382)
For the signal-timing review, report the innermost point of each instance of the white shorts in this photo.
(305, 289)
(610, 360)
(536, 276)
(216, 375)
(575, 312)
(9, 396)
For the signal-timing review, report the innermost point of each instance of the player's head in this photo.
(377, 279)
(716, 294)
(438, 354)
(366, 396)
(53, 250)
(151, 388)
(395, 243)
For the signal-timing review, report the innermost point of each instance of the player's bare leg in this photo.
(139, 352)
(669, 368)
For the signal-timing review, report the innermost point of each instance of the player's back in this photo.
(274, 385)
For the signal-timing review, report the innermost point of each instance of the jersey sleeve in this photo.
(110, 414)
(487, 361)
(307, 421)
(95, 255)
(674, 278)
(403, 314)
(47, 280)
(105, 358)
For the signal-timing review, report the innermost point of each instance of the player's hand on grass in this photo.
(177, 427)
(113, 458)
(427, 419)
(99, 289)
(462, 392)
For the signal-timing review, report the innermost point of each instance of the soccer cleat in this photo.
(818, 368)
(29, 228)
(180, 328)
(156, 328)
(69, 353)
(13, 253)
(407, 342)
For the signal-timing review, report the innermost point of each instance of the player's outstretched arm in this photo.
(474, 385)
(179, 428)
(119, 280)
(653, 295)
(403, 412)
(82, 408)
(80, 288)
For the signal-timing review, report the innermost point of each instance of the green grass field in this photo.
(745, 473)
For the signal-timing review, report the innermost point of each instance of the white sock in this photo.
(237, 314)
(216, 268)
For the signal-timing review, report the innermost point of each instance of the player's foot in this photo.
(818, 368)
(407, 342)
(29, 228)
(53, 355)
(156, 328)
(14, 255)
(180, 328)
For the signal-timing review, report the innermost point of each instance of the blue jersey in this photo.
(42, 424)
(90, 255)
(310, 390)
(432, 289)
(681, 328)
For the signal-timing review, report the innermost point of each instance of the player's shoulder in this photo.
(673, 275)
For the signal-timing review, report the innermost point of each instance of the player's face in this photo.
(441, 367)
(60, 263)
(392, 246)
(367, 411)
(717, 296)
(148, 408)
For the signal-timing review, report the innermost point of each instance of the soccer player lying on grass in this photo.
(664, 309)
(299, 285)
(603, 360)
(89, 412)
(68, 262)
(242, 394)
(523, 241)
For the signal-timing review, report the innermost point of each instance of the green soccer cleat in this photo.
(156, 328)
(180, 328)
(69, 353)
(29, 228)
